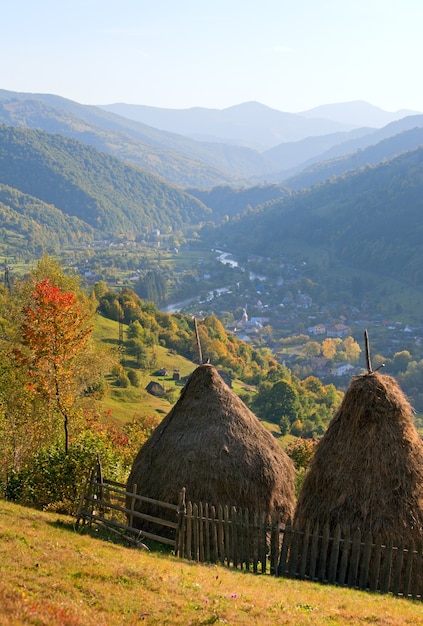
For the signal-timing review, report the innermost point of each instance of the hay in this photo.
(213, 445)
(367, 471)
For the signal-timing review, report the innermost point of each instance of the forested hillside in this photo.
(367, 219)
(230, 201)
(202, 164)
(36, 226)
(109, 196)
(178, 159)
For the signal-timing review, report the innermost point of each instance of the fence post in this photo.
(282, 567)
(79, 513)
(387, 565)
(132, 507)
(274, 543)
(180, 531)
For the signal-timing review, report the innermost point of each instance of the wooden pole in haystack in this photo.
(368, 360)
(367, 347)
(197, 337)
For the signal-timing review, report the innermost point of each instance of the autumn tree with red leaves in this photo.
(54, 333)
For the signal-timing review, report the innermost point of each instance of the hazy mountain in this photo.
(250, 124)
(290, 155)
(357, 113)
(184, 161)
(178, 159)
(369, 218)
(109, 196)
(372, 155)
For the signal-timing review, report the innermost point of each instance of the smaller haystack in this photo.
(367, 471)
(213, 445)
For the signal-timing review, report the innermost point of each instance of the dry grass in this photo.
(50, 575)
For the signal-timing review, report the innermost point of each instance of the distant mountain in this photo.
(250, 124)
(292, 155)
(229, 201)
(183, 161)
(372, 155)
(357, 113)
(110, 197)
(370, 218)
(177, 159)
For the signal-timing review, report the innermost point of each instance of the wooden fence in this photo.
(106, 504)
(258, 543)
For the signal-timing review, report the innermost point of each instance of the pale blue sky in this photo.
(291, 55)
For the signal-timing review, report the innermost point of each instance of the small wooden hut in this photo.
(367, 471)
(214, 446)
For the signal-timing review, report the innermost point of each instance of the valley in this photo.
(314, 258)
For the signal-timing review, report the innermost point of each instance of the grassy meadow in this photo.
(52, 575)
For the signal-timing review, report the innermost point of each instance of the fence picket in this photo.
(355, 558)
(207, 532)
(220, 534)
(201, 533)
(314, 552)
(227, 535)
(397, 575)
(256, 529)
(334, 555)
(365, 562)
(304, 552)
(293, 559)
(282, 567)
(345, 548)
(263, 542)
(214, 534)
(375, 572)
(324, 552)
(189, 530)
(418, 572)
(408, 569)
(274, 542)
(386, 567)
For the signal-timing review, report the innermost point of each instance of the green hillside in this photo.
(33, 225)
(368, 219)
(110, 197)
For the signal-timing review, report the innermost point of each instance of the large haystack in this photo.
(213, 445)
(367, 471)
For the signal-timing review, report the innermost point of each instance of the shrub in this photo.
(134, 378)
(54, 480)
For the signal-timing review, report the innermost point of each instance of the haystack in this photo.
(367, 471)
(214, 446)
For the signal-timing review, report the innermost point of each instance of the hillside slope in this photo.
(178, 159)
(50, 574)
(368, 218)
(381, 148)
(109, 196)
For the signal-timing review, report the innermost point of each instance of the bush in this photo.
(54, 480)
(134, 378)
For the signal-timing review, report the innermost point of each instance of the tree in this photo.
(312, 348)
(352, 349)
(54, 334)
(329, 348)
(278, 403)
